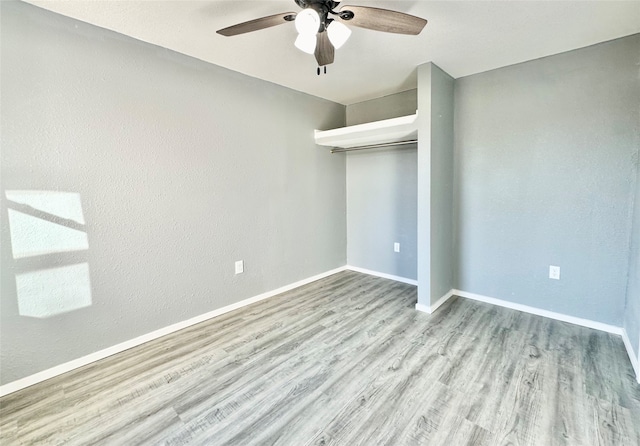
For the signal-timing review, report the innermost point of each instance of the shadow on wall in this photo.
(50, 247)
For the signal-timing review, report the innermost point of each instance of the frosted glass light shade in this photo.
(307, 22)
(306, 43)
(338, 34)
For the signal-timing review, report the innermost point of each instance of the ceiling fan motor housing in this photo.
(318, 5)
(323, 8)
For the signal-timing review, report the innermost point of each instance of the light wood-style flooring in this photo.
(346, 360)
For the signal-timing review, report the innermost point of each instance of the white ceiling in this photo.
(462, 37)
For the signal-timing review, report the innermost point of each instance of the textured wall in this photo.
(632, 309)
(441, 189)
(381, 210)
(382, 194)
(175, 169)
(393, 106)
(435, 184)
(545, 176)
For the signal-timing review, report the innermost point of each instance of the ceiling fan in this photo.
(321, 28)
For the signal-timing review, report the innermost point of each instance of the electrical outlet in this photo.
(554, 272)
(239, 266)
(396, 247)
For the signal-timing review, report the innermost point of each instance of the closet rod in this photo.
(374, 146)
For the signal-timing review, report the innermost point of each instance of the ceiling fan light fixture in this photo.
(306, 43)
(320, 31)
(338, 34)
(307, 22)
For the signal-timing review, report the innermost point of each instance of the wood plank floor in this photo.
(346, 360)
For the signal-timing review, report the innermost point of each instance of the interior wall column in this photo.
(435, 186)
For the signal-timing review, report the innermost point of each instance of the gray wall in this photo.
(632, 309)
(545, 176)
(435, 184)
(392, 106)
(181, 168)
(442, 125)
(382, 194)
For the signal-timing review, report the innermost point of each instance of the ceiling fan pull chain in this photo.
(318, 71)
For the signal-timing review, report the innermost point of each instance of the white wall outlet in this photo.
(554, 272)
(396, 247)
(239, 266)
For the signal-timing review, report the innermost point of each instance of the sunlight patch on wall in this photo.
(62, 204)
(49, 292)
(43, 224)
(38, 226)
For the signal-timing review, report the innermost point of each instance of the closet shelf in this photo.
(371, 133)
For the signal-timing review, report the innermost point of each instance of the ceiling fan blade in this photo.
(324, 49)
(255, 25)
(382, 20)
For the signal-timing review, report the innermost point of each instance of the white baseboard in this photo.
(80, 362)
(441, 301)
(632, 355)
(431, 308)
(540, 312)
(383, 275)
